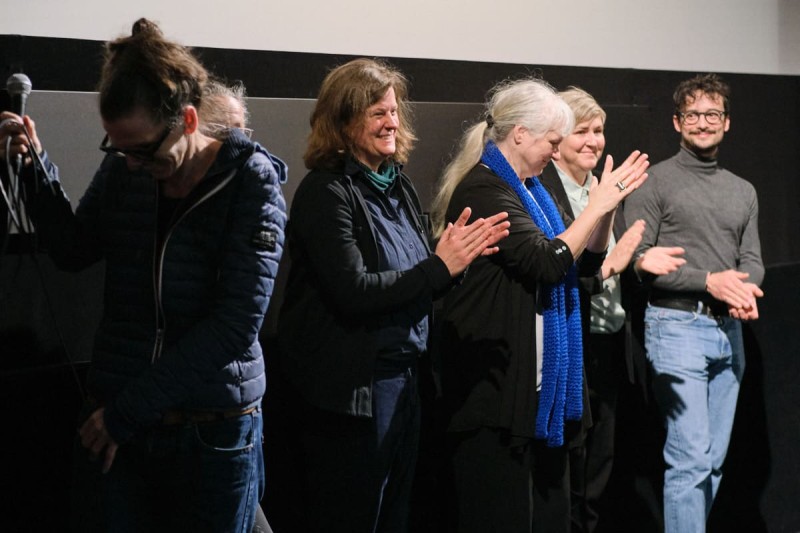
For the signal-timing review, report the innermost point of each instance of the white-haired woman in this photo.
(511, 345)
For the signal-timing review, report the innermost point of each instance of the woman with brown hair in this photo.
(360, 289)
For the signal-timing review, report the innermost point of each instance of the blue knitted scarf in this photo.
(561, 395)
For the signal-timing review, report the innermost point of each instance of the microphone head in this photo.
(18, 84)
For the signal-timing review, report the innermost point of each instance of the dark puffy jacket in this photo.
(180, 324)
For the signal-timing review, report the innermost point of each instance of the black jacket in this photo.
(335, 291)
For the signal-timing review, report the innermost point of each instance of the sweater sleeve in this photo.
(750, 246)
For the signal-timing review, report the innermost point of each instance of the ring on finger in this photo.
(621, 186)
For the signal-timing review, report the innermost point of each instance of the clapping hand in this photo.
(462, 243)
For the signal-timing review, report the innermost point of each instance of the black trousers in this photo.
(359, 471)
(635, 492)
(504, 489)
(591, 464)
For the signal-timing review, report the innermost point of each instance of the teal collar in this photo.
(384, 177)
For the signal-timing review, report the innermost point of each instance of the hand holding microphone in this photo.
(17, 127)
(22, 134)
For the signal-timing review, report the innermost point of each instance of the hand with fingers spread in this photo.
(13, 126)
(95, 437)
(462, 243)
(615, 185)
(729, 286)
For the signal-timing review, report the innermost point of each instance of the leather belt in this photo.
(713, 309)
(174, 418)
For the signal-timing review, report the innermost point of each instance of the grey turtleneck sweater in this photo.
(709, 211)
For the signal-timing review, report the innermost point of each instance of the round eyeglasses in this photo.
(712, 117)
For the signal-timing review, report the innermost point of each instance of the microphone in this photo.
(18, 87)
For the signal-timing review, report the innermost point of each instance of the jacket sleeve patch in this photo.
(264, 239)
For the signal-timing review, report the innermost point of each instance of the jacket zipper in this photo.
(158, 264)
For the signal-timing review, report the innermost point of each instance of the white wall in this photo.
(737, 36)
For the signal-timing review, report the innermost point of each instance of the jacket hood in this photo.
(238, 147)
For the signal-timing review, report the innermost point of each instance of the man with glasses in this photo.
(693, 331)
(190, 229)
(144, 153)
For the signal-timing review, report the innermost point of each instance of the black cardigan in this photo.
(336, 292)
(488, 344)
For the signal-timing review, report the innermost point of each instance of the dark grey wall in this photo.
(68, 123)
(69, 126)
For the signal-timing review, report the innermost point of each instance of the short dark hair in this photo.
(146, 70)
(709, 84)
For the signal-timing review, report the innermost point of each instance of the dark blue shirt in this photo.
(403, 334)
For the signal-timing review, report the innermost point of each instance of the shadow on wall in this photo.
(759, 491)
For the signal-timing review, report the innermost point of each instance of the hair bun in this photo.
(145, 27)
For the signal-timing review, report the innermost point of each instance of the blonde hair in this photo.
(528, 102)
(583, 104)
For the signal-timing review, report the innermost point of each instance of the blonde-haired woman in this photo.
(511, 344)
(604, 300)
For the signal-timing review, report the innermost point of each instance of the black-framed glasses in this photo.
(712, 117)
(143, 153)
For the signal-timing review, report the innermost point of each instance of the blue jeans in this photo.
(196, 477)
(698, 363)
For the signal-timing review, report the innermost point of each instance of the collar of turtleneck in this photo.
(690, 160)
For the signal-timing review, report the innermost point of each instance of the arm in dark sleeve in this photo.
(589, 271)
(69, 238)
(750, 246)
(527, 252)
(324, 223)
(645, 205)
